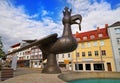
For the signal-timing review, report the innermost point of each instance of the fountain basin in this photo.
(79, 76)
(96, 80)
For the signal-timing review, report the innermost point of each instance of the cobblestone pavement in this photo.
(23, 71)
(30, 75)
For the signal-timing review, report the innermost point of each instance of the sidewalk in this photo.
(28, 75)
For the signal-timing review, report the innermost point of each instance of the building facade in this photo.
(31, 57)
(94, 52)
(64, 61)
(36, 58)
(114, 33)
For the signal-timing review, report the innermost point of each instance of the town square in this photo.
(75, 41)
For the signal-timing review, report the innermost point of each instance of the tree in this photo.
(2, 53)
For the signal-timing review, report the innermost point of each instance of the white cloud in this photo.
(15, 25)
(44, 12)
(94, 14)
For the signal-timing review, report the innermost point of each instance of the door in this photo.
(109, 66)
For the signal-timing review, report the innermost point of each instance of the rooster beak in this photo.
(79, 26)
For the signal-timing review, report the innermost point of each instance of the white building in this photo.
(31, 57)
(23, 57)
(65, 61)
(114, 33)
(36, 58)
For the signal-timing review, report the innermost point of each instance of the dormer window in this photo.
(78, 39)
(85, 38)
(100, 35)
(92, 37)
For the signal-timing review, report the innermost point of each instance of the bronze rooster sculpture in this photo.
(51, 45)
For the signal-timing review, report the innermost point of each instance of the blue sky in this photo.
(35, 19)
(53, 7)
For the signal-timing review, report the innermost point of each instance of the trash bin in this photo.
(6, 73)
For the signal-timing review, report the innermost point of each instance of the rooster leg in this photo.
(51, 66)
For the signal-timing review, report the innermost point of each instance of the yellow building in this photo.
(94, 51)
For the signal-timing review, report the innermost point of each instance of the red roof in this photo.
(15, 45)
(100, 33)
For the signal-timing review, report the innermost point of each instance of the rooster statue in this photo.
(51, 45)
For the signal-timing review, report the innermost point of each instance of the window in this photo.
(83, 54)
(119, 49)
(68, 55)
(78, 39)
(95, 43)
(27, 57)
(77, 54)
(92, 37)
(89, 53)
(41, 56)
(83, 45)
(35, 63)
(99, 66)
(88, 66)
(78, 45)
(100, 35)
(118, 40)
(85, 38)
(103, 52)
(117, 30)
(78, 66)
(96, 53)
(88, 44)
(101, 43)
(62, 55)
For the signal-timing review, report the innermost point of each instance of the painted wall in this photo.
(97, 45)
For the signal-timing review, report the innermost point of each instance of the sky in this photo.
(35, 19)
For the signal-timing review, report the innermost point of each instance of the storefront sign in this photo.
(87, 59)
(66, 61)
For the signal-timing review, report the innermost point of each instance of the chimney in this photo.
(98, 29)
(106, 25)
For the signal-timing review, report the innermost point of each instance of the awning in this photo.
(45, 61)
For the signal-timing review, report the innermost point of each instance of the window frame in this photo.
(83, 54)
(103, 52)
(89, 53)
(92, 36)
(117, 30)
(96, 53)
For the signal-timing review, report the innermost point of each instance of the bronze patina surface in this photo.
(51, 45)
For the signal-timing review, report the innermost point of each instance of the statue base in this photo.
(51, 66)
